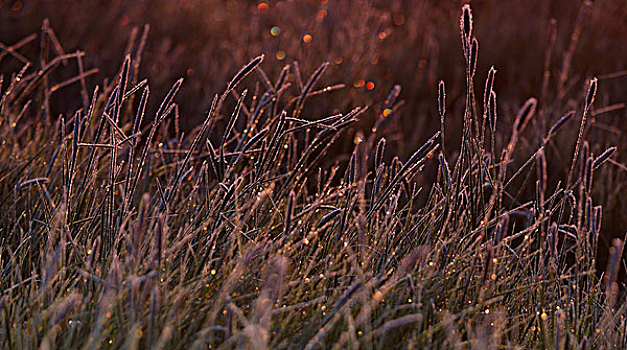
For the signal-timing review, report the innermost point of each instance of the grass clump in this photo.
(119, 229)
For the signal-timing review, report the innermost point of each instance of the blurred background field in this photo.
(412, 43)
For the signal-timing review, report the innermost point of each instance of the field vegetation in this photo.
(312, 175)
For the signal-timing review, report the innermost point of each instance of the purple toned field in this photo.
(313, 174)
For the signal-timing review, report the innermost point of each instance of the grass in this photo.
(122, 229)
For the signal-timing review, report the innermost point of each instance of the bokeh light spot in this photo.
(16, 6)
(263, 7)
(399, 20)
(359, 83)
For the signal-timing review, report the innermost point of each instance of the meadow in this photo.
(313, 174)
